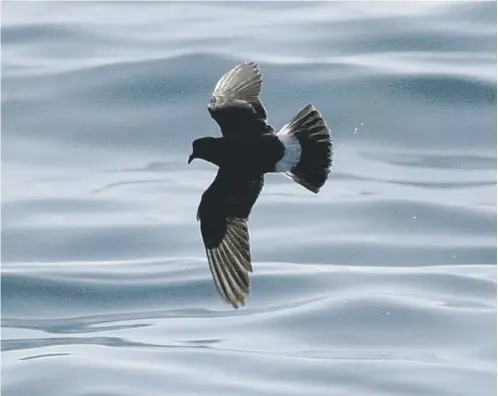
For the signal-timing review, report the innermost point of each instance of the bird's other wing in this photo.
(223, 213)
(235, 104)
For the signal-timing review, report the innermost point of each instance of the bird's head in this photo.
(202, 148)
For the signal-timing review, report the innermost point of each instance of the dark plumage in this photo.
(247, 150)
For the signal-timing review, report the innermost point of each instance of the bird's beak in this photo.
(190, 158)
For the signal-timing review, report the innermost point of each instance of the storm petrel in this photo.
(248, 149)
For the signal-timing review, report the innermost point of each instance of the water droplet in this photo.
(414, 217)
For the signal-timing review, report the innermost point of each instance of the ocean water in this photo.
(382, 284)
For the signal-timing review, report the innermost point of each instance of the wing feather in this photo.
(235, 104)
(229, 270)
(223, 213)
(243, 82)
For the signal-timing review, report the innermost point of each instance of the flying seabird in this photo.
(248, 149)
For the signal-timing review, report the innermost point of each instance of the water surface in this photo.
(383, 284)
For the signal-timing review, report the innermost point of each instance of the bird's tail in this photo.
(308, 149)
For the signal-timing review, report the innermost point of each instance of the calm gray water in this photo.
(383, 284)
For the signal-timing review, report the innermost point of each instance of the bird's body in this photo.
(252, 154)
(247, 150)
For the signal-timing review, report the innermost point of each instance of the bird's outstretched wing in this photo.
(223, 213)
(235, 104)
